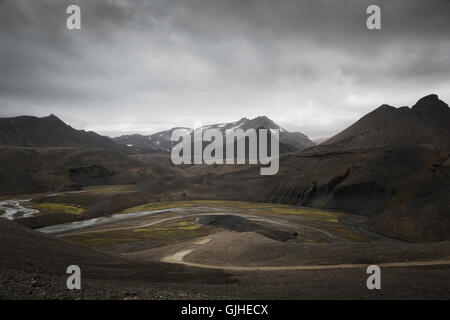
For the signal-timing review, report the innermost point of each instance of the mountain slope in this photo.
(45, 154)
(27, 131)
(427, 121)
(32, 170)
(424, 219)
(33, 266)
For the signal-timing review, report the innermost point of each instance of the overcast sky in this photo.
(143, 66)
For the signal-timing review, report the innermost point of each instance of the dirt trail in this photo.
(178, 258)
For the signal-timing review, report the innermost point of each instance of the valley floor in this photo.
(214, 250)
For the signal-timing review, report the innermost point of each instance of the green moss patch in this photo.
(60, 207)
(162, 234)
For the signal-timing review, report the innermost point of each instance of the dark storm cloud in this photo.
(147, 65)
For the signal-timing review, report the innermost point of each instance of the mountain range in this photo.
(160, 141)
(392, 166)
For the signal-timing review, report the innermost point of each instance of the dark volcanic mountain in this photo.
(289, 141)
(43, 154)
(427, 121)
(50, 131)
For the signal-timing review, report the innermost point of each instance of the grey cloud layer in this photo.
(148, 65)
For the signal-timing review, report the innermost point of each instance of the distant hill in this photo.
(27, 131)
(160, 141)
(427, 121)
